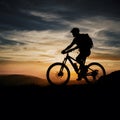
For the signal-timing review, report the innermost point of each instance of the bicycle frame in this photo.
(70, 59)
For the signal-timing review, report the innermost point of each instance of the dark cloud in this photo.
(113, 39)
(4, 41)
(61, 6)
(14, 18)
(20, 20)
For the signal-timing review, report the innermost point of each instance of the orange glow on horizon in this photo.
(39, 68)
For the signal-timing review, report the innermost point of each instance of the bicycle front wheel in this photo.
(58, 74)
(95, 71)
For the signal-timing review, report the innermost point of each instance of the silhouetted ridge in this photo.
(19, 79)
(112, 78)
(109, 84)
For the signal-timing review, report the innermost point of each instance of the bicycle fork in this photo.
(60, 73)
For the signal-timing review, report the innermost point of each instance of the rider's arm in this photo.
(68, 47)
(72, 49)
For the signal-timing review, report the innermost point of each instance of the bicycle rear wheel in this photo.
(94, 72)
(58, 74)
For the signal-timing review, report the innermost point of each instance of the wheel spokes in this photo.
(58, 74)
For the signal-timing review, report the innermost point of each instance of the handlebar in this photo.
(66, 52)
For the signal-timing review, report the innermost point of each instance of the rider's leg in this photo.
(82, 65)
(81, 60)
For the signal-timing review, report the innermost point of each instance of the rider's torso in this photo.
(81, 43)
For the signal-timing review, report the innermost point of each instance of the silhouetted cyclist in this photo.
(84, 43)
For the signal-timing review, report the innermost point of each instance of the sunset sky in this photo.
(33, 32)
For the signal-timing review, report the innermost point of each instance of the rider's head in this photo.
(75, 31)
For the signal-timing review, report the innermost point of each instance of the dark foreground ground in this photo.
(108, 86)
(104, 95)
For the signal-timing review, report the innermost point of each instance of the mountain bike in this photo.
(58, 73)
